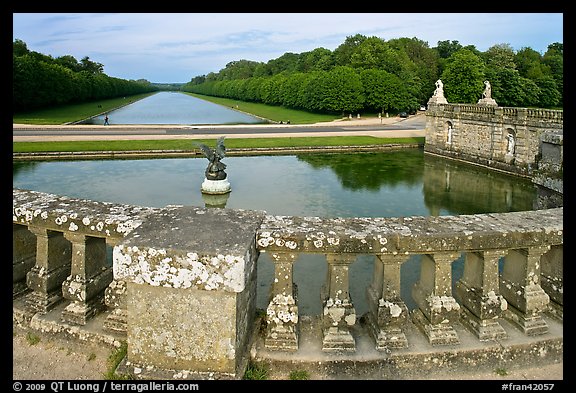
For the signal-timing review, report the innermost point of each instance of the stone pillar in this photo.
(23, 257)
(115, 299)
(437, 309)
(339, 314)
(552, 270)
(478, 293)
(282, 311)
(388, 314)
(520, 285)
(190, 278)
(88, 279)
(53, 259)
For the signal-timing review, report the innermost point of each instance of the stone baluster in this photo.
(23, 257)
(282, 311)
(88, 279)
(115, 298)
(520, 285)
(437, 309)
(339, 313)
(53, 259)
(478, 293)
(552, 270)
(388, 313)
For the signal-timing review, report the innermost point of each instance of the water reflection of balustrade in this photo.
(513, 265)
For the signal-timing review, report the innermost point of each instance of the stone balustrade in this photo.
(181, 282)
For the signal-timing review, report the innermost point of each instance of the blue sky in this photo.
(164, 47)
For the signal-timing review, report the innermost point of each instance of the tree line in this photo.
(369, 74)
(40, 81)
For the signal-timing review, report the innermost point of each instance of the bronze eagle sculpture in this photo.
(215, 169)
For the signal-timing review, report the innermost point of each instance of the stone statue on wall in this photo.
(439, 92)
(487, 95)
(438, 96)
(487, 90)
(215, 169)
(511, 144)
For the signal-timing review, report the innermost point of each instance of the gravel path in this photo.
(55, 359)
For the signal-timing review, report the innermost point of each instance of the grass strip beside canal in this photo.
(189, 144)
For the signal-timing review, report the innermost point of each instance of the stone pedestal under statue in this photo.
(487, 102)
(215, 187)
(437, 100)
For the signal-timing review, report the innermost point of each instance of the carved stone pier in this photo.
(23, 257)
(282, 310)
(520, 284)
(53, 265)
(338, 313)
(437, 309)
(388, 312)
(479, 295)
(88, 279)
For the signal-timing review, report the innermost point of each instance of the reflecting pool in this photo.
(175, 108)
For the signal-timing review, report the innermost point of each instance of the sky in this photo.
(176, 47)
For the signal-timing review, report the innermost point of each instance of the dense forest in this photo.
(40, 81)
(363, 74)
(369, 74)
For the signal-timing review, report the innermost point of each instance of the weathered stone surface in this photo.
(411, 235)
(61, 213)
(174, 248)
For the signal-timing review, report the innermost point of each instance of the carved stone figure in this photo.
(511, 144)
(487, 90)
(487, 96)
(215, 169)
(439, 92)
(438, 96)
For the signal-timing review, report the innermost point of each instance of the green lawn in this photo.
(188, 144)
(72, 113)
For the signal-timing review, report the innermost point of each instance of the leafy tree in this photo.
(69, 62)
(529, 63)
(447, 48)
(319, 59)
(343, 53)
(271, 89)
(549, 95)
(554, 59)
(240, 69)
(500, 55)
(426, 61)
(342, 90)
(463, 77)
(19, 48)
(374, 53)
(384, 91)
(287, 62)
(91, 66)
(292, 90)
